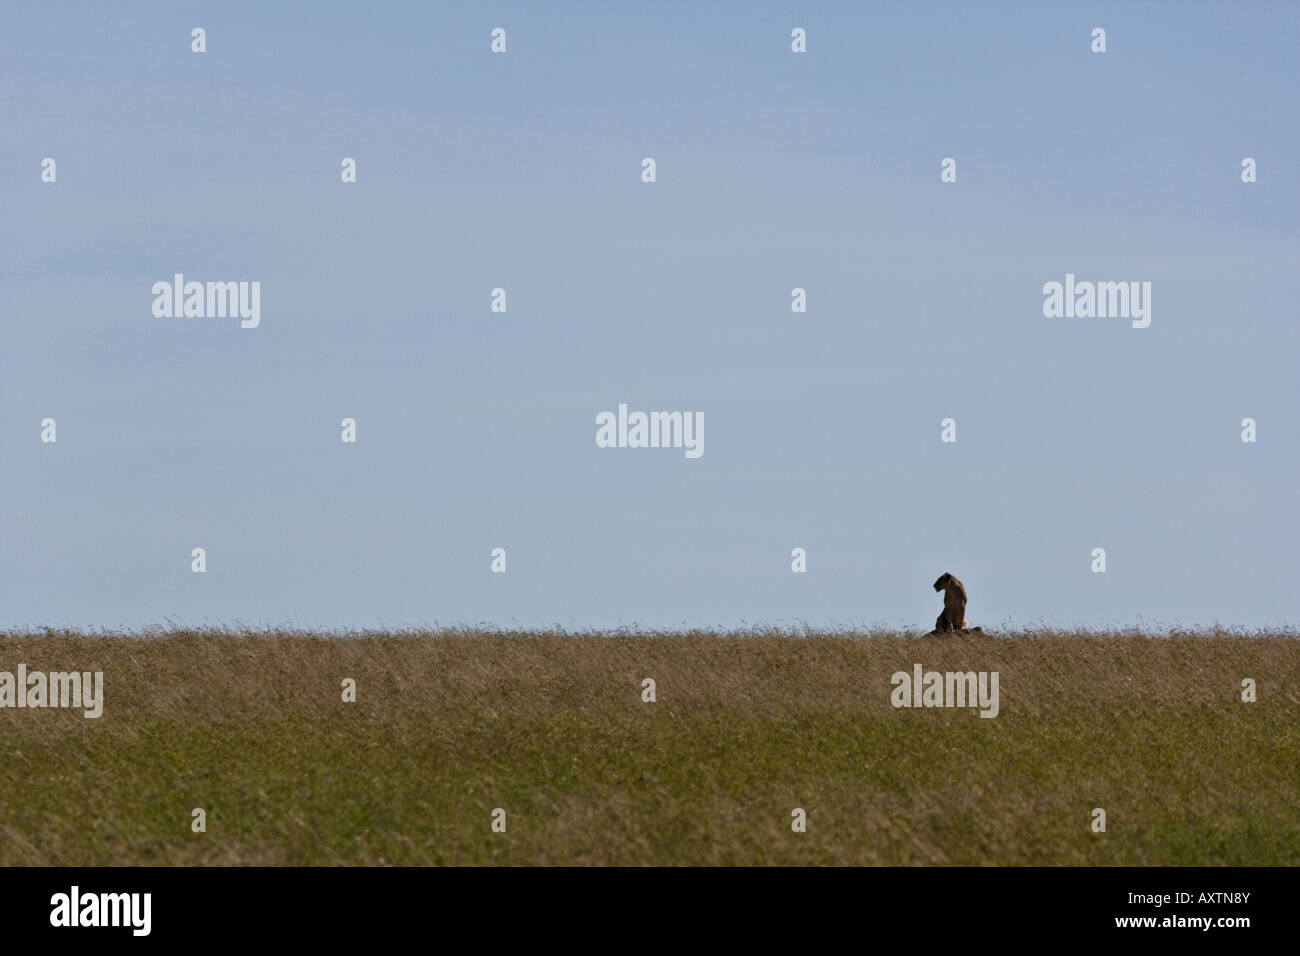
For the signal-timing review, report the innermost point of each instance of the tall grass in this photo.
(551, 727)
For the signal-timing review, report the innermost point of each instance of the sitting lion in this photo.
(953, 617)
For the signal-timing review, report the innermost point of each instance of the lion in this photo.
(953, 617)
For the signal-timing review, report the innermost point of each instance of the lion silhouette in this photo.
(952, 619)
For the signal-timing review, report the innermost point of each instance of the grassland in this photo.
(552, 728)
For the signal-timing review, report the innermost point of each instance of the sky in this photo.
(774, 170)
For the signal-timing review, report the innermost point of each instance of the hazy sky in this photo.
(522, 170)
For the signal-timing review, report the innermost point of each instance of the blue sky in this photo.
(774, 171)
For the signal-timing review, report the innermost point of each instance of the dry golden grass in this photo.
(552, 728)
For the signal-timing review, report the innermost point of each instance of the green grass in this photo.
(552, 728)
